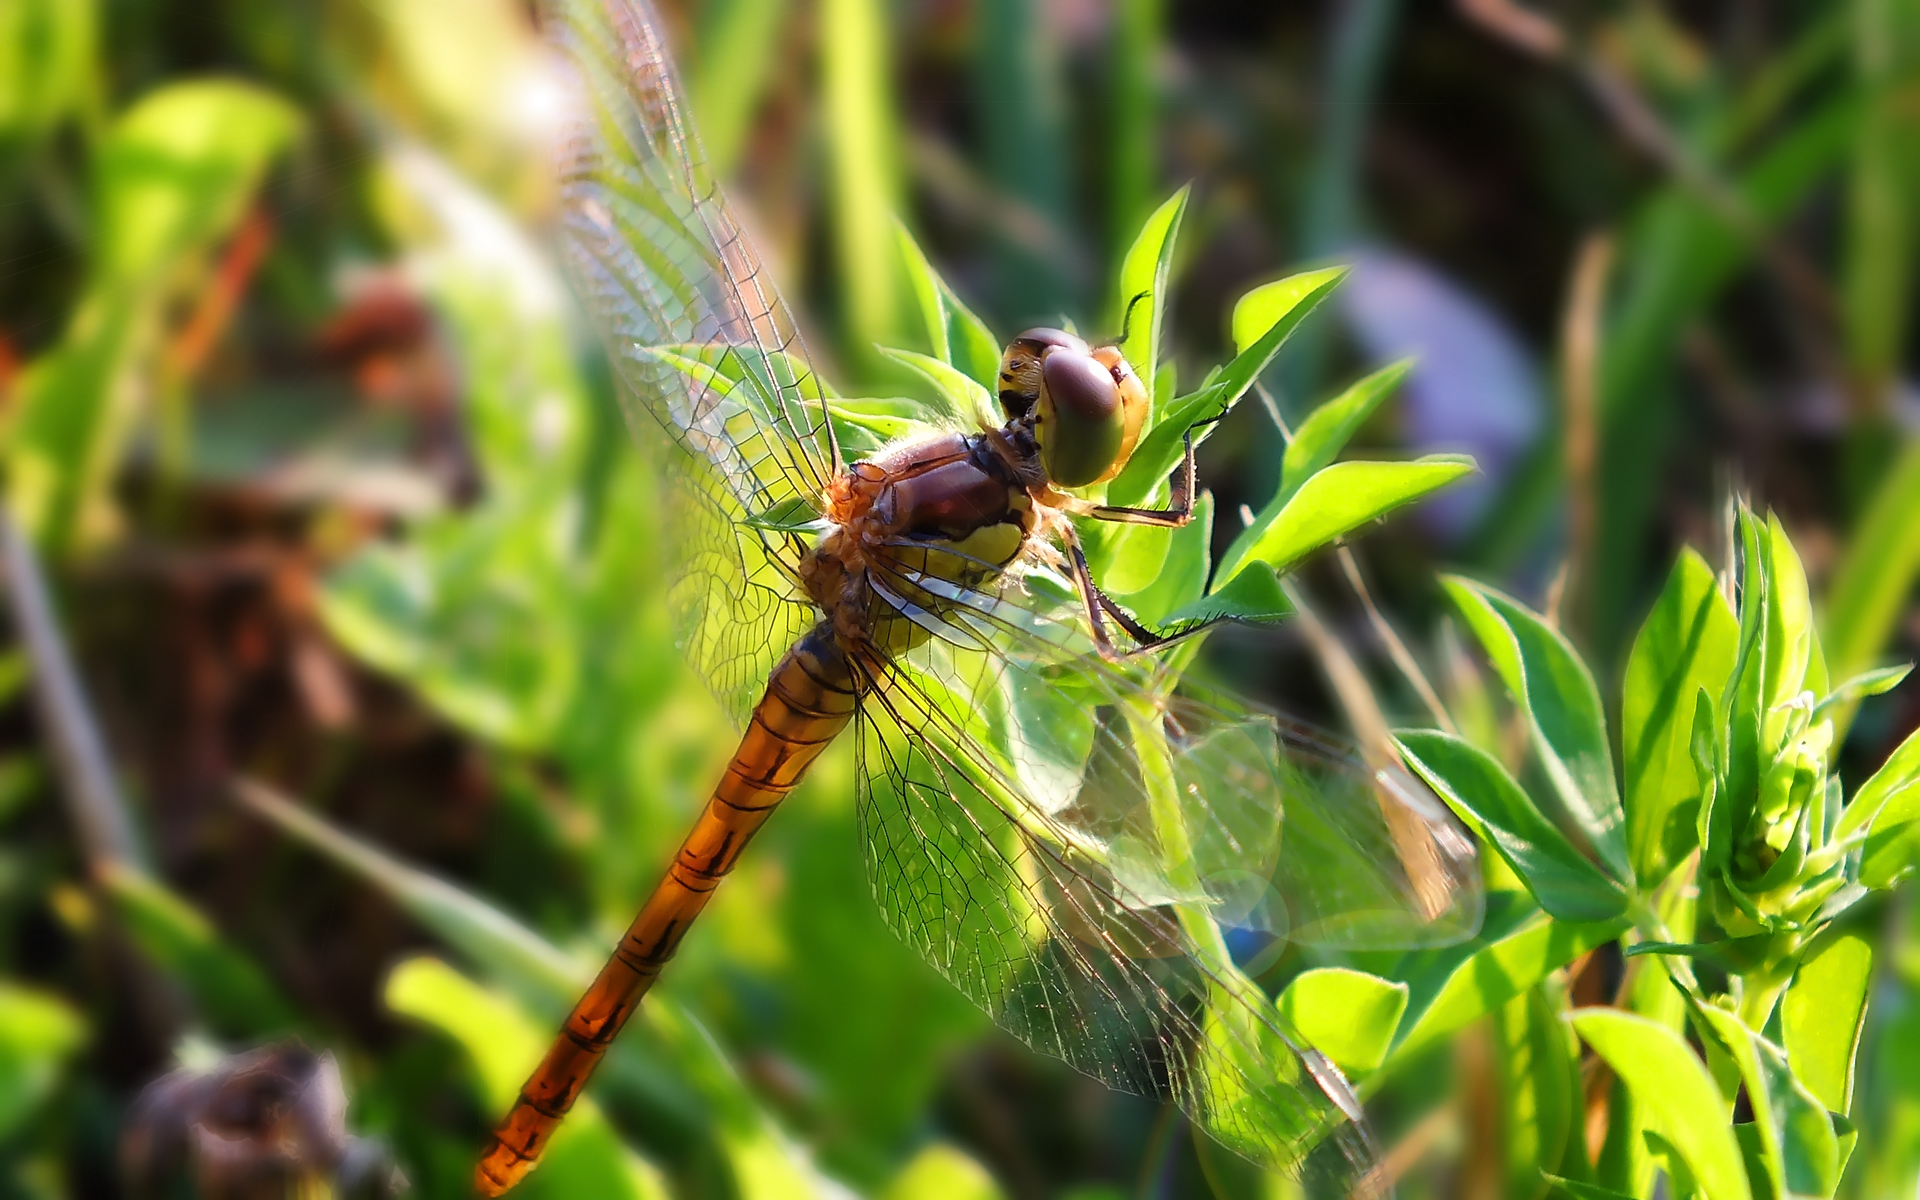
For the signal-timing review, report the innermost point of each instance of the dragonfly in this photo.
(1081, 839)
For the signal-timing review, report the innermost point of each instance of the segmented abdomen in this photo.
(809, 700)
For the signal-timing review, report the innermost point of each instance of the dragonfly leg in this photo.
(1175, 514)
(1100, 606)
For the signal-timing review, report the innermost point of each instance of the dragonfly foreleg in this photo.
(1176, 514)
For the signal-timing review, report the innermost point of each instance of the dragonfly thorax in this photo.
(950, 508)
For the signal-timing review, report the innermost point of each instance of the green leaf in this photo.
(1254, 597)
(1900, 771)
(975, 350)
(1347, 1015)
(504, 1046)
(926, 287)
(38, 1033)
(957, 337)
(1733, 955)
(1680, 1097)
(1893, 847)
(1583, 1191)
(1517, 946)
(178, 169)
(1259, 310)
(1144, 271)
(1162, 447)
(1869, 683)
(1537, 1070)
(1124, 557)
(1335, 502)
(1550, 683)
(1321, 437)
(233, 994)
(1888, 805)
(1713, 829)
(1182, 576)
(1478, 789)
(1789, 633)
(1753, 1152)
(1686, 646)
(940, 1172)
(1742, 709)
(1824, 1010)
(967, 404)
(1796, 1138)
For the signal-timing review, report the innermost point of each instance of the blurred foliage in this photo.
(334, 493)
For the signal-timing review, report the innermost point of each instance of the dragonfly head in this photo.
(1085, 403)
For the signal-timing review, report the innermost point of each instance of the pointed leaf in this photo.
(1686, 646)
(1182, 577)
(974, 348)
(1335, 502)
(1517, 947)
(965, 403)
(1681, 1100)
(1161, 449)
(1259, 310)
(1824, 1010)
(1796, 1138)
(1871, 683)
(1478, 789)
(1347, 1015)
(1901, 770)
(1550, 683)
(1143, 273)
(1583, 1191)
(926, 289)
(1888, 804)
(1321, 437)
(1789, 632)
(1254, 596)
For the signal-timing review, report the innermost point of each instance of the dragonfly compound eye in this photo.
(1081, 421)
(1020, 367)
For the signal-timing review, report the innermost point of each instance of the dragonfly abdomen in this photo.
(809, 699)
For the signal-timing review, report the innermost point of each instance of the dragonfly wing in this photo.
(703, 347)
(1300, 839)
(1030, 925)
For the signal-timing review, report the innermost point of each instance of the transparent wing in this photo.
(1293, 837)
(1061, 955)
(1088, 852)
(704, 349)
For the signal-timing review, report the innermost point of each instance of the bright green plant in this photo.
(1727, 793)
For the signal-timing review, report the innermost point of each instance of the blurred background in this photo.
(316, 479)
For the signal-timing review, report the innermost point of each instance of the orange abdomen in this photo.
(809, 699)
